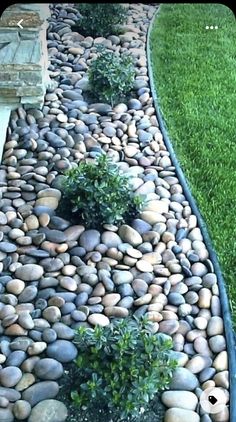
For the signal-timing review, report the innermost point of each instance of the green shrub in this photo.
(97, 193)
(123, 365)
(101, 19)
(111, 76)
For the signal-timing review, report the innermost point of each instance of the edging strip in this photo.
(228, 326)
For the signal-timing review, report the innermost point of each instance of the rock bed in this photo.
(56, 276)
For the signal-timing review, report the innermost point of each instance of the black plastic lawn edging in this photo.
(228, 326)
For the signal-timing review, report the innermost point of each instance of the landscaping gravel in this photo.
(57, 275)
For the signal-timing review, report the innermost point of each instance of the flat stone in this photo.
(49, 411)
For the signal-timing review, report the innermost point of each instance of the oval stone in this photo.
(49, 411)
(48, 369)
(62, 350)
(29, 272)
(181, 399)
(40, 391)
(10, 376)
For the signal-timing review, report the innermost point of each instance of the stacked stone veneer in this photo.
(23, 55)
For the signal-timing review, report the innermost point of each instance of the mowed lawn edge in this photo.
(194, 72)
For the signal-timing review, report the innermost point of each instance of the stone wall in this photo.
(23, 55)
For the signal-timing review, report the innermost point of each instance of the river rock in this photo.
(130, 235)
(48, 411)
(10, 376)
(180, 399)
(183, 379)
(29, 272)
(89, 239)
(21, 409)
(40, 391)
(62, 350)
(48, 369)
(181, 415)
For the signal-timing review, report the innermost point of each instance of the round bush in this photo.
(96, 193)
(101, 19)
(111, 76)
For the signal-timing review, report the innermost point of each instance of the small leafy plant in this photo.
(97, 193)
(123, 365)
(111, 76)
(101, 19)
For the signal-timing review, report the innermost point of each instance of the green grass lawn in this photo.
(195, 77)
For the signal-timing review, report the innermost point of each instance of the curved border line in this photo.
(228, 327)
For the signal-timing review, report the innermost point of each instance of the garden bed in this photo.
(58, 276)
